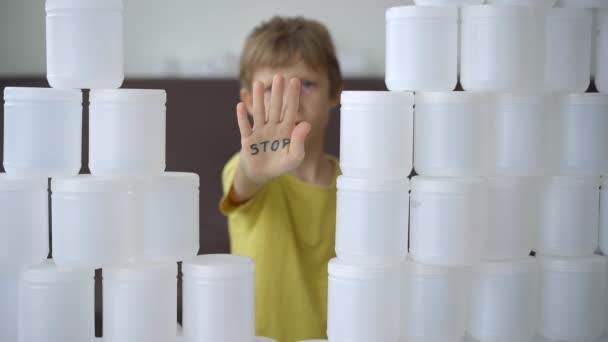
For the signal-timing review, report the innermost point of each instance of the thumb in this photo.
(297, 149)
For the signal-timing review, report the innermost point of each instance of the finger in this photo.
(243, 120)
(297, 151)
(259, 113)
(276, 99)
(293, 102)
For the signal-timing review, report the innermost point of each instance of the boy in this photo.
(280, 190)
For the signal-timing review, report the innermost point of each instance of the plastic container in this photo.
(84, 43)
(573, 298)
(171, 217)
(567, 60)
(140, 303)
(504, 301)
(376, 134)
(513, 218)
(447, 220)
(448, 2)
(218, 298)
(372, 220)
(519, 135)
(530, 3)
(363, 302)
(501, 48)
(450, 134)
(56, 304)
(96, 221)
(9, 281)
(569, 217)
(24, 232)
(582, 134)
(601, 43)
(434, 303)
(127, 132)
(421, 48)
(42, 132)
(603, 235)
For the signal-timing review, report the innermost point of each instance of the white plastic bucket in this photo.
(9, 280)
(450, 134)
(583, 134)
(421, 48)
(372, 219)
(127, 132)
(218, 298)
(519, 135)
(95, 221)
(601, 67)
(568, 40)
(84, 43)
(376, 134)
(140, 303)
(42, 132)
(447, 220)
(56, 304)
(603, 235)
(513, 218)
(171, 217)
(569, 217)
(573, 298)
(504, 301)
(434, 303)
(363, 302)
(24, 232)
(501, 48)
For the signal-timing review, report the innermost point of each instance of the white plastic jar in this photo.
(363, 302)
(583, 134)
(56, 304)
(501, 48)
(434, 303)
(376, 134)
(218, 298)
(421, 48)
(9, 282)
(519, 135)
(171, 217)
(601, 43)
(573, 298)
(84, 43)
(567, 59)
(140, 303)
(127, 132)
(513, 217)
(569, 217)
(372, 219)
(504, 301)
(447, 220)
(95, 221)
(42, 132)
(603, 236)
(450, 134)
(24, 232)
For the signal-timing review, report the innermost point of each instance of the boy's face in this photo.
(316, 101)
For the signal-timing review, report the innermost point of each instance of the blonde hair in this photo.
(282, 41)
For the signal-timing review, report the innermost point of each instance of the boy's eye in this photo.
(308, 84)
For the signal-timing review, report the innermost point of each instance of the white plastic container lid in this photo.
(142, 271)
(377, 98)
(571, 13)
(585, 99)
(521, 98)
(218, 266)
(415, 268)
(52, 5)
(446, 97)
(533, 3)
(448, 2)
(583, 3)
(575, 180)
(8, 183)
(487, 11)
(511, 267)
(352, 270)
(593, 263)
(89, 183)
(447, 185)
(51, 273)
(171, 181)
(128, 95)
(421, 12)
(505, 183)
(365, 184)
(42, 94)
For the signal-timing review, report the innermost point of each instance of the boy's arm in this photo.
(274, 145)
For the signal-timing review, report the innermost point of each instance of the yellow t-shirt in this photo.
(288, 228)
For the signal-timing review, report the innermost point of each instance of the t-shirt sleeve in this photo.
(227, 207)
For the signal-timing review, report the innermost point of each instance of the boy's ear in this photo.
(247, 99)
